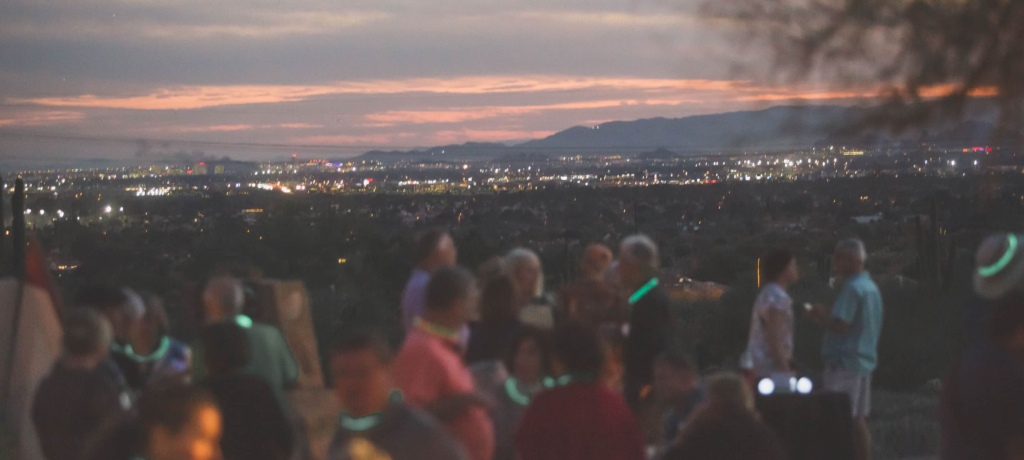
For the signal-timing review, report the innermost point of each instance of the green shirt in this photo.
(859, 304)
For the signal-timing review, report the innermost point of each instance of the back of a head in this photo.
(447, 286)
(596, 259)
(497, 300)
(775, 262)
(523, 258)
(642, 250)
(728, 390)
(356, 342)
(101, 297)
(427, 242)
(854, 248)
(578, 349)
(226, 347)
(999, 265)
(155, 312)
(171, 407)
(224, 297)
(540, 337)
(85, 332)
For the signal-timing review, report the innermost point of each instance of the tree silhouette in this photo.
(928, 58)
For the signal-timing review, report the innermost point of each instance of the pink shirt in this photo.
(427, 369)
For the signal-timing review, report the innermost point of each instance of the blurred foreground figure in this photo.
(122, 309)
(77, 400)
(582, 419)
(179, 423)
(154, 354)
(727, 427)
(850, 346)
(269, 355)
(375, 423)
(983, 396)
(435, 249)
(677, 387)
(592, 300)
(528, 360)
(499, 323)
(255, 426)
(649, 318)
(429, 368)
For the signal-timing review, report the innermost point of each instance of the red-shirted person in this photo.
(429, 369)
(580, 419)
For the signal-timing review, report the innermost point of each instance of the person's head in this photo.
(638, 261)
(498, 300)
(528, 357)
(849, 257)
(999, 265)
(577, 350)
(779, 266)
(524, 265)
(180, 423)
(451, 297)
(727, 390)
(121, 307)
(675, 377)
(595, 261)
(153, 325)
(223, 298)
(1006, 325)
(360, 366)
(226, 347)
(87, 335)
(435, 249)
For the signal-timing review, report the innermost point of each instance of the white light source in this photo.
(804, 385)
(765, 386)
(107, 209)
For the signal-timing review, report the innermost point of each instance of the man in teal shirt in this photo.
(852, 327)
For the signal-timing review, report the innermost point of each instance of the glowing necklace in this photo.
(512, 389)
(640, 293)
(1011, 250)
(436, 330)
(157, 355)
(367, 422)
(243, 321)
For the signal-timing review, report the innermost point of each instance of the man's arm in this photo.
(827, 319)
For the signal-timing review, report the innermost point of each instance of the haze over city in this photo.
(116, 79)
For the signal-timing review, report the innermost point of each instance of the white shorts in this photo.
(857, 386)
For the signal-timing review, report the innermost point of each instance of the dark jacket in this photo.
(255, 426)
(649, 321)
(404, 433)
(71, 406)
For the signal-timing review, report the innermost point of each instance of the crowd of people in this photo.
(491, 368)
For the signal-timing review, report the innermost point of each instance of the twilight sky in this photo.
(259, 78)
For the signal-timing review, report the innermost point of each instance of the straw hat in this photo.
(1000, 265)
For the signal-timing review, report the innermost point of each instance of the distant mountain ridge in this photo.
(775, 128)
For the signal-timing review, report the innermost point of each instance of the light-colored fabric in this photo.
(414, 297)
(540, 315)
(772, 298)
(38, 347)
(857, 386)
(428, 369)
(859, 305)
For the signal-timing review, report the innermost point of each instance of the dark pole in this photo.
(3, 231)
(18, 229)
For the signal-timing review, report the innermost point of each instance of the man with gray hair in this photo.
(852, 327)
(649, 315)
(270, 357)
